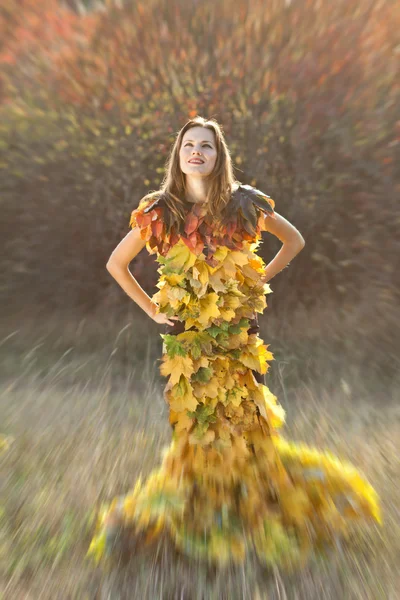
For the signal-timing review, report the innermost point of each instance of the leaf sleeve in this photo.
(252, 208)
(264, 206)
(148, 217)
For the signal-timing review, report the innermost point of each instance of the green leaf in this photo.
(203, 375)
(237, 327)
(173, 347)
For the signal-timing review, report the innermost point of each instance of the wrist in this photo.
(153, 309)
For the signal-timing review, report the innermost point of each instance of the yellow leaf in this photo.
(208, 309)
(207, 438)
(201, 273)
(209, 389)
(237, 340)
(236, 394)
(179, 257)
(227, 313)
(239, 258)
(215, 281)
(221, 253)
(176, 366)
(174, 278)
(181, 398)
(177, 296)
(203, 361)
(250, 273)
(161, 297)
(269, 408)
(255, 355)
(180, 420)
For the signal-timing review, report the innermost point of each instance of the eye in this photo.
(190, 143)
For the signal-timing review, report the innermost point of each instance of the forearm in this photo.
(282, 259)
(129, 284)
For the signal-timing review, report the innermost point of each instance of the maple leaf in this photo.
(203, 375)
(268, 405)
(203, 414)
(229, 381)
(231, 301)
(255, 356)
(236, 394)
(174, 278)
(203, 440)
(257, 263)
(200, 278)
(176, 366)
(234, 412)
(243, 324)
(198, 342)
(180, 258)
(180, 421)
(180, 397)
(208, 308)
(238, 258)
(173, 346)
(221, 253)
(215, 280)
(250, 273)
(178, 296)
(203, 361)
(227, 313)
(229, 268)
(210, 389)
(237, 341)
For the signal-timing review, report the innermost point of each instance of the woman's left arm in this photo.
(291, 239)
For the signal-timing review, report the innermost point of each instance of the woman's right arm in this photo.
(118, 267)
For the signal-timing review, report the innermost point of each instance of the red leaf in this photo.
(191, 223)
(157, 227)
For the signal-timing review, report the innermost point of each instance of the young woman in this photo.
(228, 483)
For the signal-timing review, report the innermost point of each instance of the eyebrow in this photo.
(208, 141)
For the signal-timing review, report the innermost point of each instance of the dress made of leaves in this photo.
(229, 482)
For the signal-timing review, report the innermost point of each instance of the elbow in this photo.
(114, 267)
(295, 240)
(297, 244)
(111, 266)
(299, 241)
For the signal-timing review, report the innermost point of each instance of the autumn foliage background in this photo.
(91, 98)
(91, 101)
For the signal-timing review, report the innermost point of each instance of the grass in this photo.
(82, 399)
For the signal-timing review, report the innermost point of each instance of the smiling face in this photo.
(198, 152)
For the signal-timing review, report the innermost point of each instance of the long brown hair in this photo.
(222, 179)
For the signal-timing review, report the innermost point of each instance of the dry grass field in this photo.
(82, 399)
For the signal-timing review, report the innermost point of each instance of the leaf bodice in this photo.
(242, 220)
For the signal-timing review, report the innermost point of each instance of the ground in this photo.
(82, 399)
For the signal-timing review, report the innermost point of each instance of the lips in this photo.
(196, 161)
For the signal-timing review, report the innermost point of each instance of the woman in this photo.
(228, 482)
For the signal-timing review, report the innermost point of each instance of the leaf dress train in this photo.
(229, 482)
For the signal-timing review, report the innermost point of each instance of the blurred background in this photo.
(92, 95)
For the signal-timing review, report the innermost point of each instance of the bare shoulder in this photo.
(283, 229)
